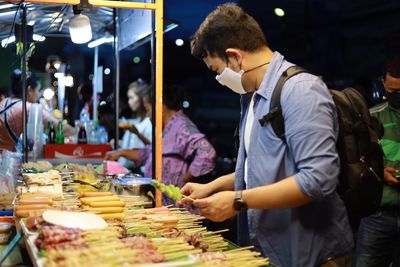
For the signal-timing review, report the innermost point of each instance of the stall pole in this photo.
(159, 7)
(116, 77)
(153, 86)
(24, 77)
(158, 103)
(95, 64)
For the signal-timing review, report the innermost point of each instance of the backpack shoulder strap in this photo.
(275, 116)
(11, 133)
(7, 107)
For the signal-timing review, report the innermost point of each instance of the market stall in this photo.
(64, 222)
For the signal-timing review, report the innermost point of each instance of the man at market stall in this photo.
(187, 154)
(283, 192)
(378, 242)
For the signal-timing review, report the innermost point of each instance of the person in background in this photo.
(284, 192)
(138, 129)
(84, 102)
(107, 119)
(378, 242)
(11, 110)
(186, 152)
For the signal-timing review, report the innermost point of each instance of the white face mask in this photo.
(232, 79)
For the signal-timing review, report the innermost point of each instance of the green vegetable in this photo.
(170, 190)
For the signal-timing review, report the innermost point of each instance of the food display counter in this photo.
(85, 226)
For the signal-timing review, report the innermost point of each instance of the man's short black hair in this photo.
(392, 66)
(228, 26)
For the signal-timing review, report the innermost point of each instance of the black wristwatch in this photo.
(239, 204)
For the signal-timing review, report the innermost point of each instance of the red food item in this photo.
(57, 237)
(149, 254)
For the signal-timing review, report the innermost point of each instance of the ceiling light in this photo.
(58, 75)
(7, 41)
(69, 81)
(79, 28)
(7, 13)
(4, 6)
(48, 94)
(38, 38)
(100, 41)
(279, 12)
(57, 65)
(179, 42)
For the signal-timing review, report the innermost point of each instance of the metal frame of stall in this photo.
(157, 72)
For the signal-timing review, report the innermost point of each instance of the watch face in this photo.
(239, 205)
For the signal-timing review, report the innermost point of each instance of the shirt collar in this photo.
(172, 120)
(268, 82)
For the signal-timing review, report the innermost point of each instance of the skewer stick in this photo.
(238, 249)
(219, 231)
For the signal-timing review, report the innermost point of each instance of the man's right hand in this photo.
(195, 191)
(389, 176)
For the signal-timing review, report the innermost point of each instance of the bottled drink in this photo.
(91, 132)
(60, 134)
(84, 116)
(82, 136)
(51, 133)
(102, 135)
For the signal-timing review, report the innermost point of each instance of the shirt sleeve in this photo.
(48, 117)
(202, 155)
(311, 133)
(144, 154)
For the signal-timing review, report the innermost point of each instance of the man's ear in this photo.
(234, 53)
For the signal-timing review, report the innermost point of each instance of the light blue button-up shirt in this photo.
(311, 234)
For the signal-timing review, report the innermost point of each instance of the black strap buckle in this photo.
(268, 117)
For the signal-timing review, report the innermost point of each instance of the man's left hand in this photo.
(218, 207)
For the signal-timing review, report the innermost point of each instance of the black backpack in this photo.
(361, 156)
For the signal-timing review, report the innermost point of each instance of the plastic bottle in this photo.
(92, 132)
(82, 136)
(102, 135)
(84, 116)
(60, 134)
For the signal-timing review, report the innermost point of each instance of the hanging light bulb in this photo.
(79, 28)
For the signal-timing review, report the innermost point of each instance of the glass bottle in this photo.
(82, 136)
(51, 133)
(60, 134)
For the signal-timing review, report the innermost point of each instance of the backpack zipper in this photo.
(362, 159)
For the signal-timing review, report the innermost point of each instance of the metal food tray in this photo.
(33, 251)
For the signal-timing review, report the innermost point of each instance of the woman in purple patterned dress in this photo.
(186, 153)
